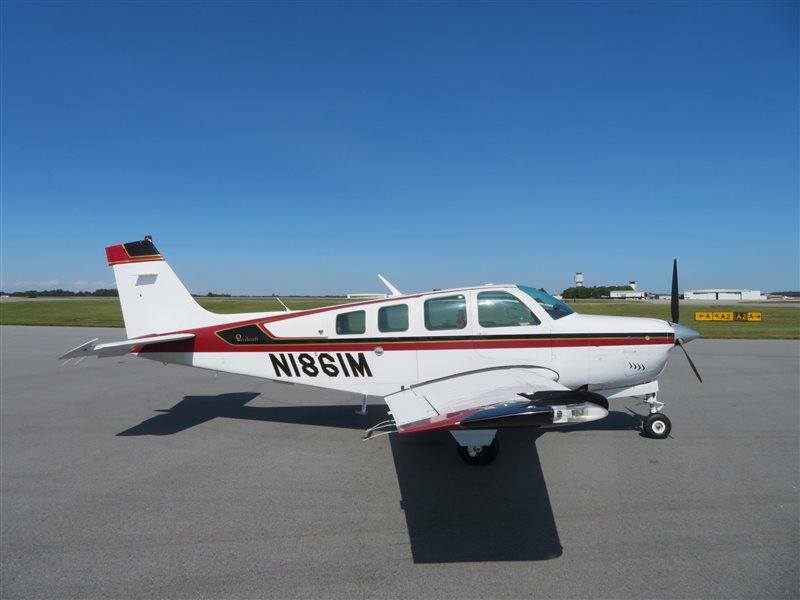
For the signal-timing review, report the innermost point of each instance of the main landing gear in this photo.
(478, 455)
(477, 447)
(656, 425)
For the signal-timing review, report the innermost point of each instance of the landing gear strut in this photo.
(656, 425)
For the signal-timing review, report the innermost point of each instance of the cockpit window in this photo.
(555, 308)
(501, 309)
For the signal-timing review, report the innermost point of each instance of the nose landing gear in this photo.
(656, 425)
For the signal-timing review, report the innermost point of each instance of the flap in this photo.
(466, 392)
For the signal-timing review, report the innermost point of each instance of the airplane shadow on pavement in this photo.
(459, 513)
(195, 410)
(454, 512)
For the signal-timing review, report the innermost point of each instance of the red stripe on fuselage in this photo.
(209, 342)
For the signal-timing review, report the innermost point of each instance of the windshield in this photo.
(555, 308)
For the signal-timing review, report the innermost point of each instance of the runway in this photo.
(128, 479)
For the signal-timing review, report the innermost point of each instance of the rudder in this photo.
(152, 298)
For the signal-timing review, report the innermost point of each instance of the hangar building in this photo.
(723, 295)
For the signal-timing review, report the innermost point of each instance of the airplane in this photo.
(469, 361)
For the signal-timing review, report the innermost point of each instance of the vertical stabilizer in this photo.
(152, 297)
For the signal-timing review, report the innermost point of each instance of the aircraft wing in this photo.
(92, 348)
(492, 398)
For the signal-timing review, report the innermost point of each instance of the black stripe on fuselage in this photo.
(249, 335)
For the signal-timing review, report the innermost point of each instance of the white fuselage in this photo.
(381, 346)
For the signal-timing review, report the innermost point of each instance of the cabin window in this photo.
(351, 322)
(447, 312)
(393, 318)
(501, 309)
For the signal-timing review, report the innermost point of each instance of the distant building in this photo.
(716, 294)
(366, 296)
(578, 279)
(627, 294)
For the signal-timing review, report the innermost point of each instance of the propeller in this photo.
(682, 333)
(674, 298)
(679, 343)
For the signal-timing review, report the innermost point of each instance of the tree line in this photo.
(583, 292)
(99, 293)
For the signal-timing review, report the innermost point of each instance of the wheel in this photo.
(478, 455)
(657, 426)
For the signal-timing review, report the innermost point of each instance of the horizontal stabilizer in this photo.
(92, 348)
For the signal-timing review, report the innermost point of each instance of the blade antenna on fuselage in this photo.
(394, 291)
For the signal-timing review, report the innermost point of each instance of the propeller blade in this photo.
(675, 293)
(689, 358)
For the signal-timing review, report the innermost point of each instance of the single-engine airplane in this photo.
(469, 360)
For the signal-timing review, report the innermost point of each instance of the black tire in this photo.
(479, 455)
(657, 426)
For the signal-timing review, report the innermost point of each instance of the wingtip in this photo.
(79, 350)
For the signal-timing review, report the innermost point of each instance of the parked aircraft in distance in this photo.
(469, 360)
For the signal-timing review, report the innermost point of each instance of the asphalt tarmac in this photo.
(123, 478)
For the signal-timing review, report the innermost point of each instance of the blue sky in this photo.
(303, 147)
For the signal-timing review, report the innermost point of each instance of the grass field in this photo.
(102, 312)
(779, 322)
